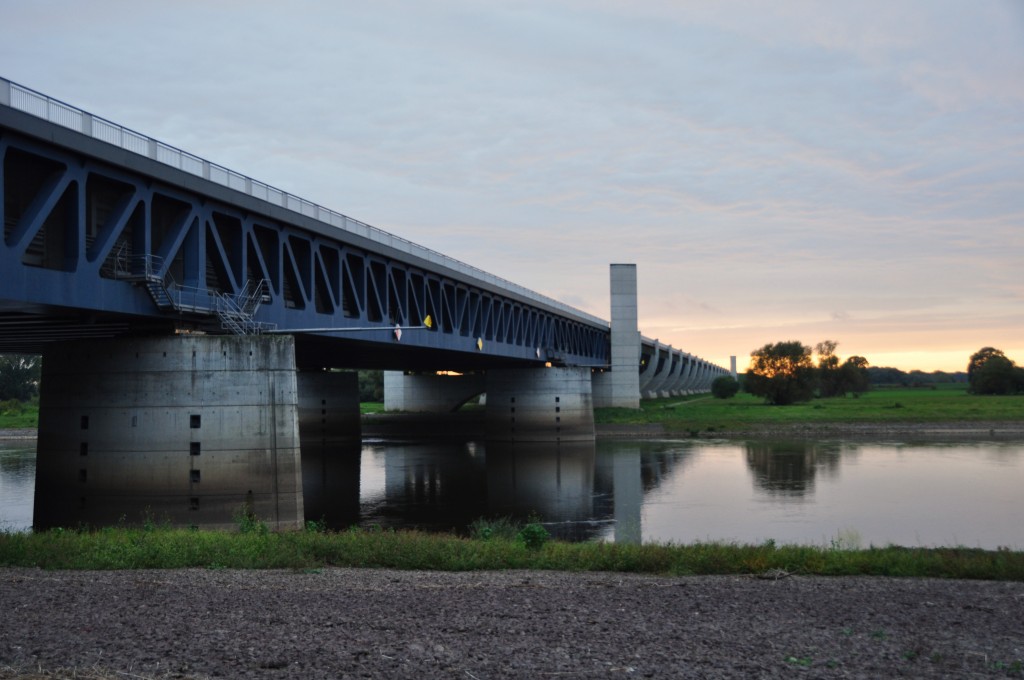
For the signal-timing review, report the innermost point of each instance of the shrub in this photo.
(725, 387)
(534, 536)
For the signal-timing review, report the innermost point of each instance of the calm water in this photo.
(856, 494)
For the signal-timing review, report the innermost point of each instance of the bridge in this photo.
(184, 307)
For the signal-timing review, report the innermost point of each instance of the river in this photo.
(839, 493)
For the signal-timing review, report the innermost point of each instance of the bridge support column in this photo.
(430, 393)
(328, 407)
(620, 387)
(187, 429)
(539, 404)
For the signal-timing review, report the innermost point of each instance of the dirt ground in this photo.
(345, 623)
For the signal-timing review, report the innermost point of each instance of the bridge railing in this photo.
(40, 105)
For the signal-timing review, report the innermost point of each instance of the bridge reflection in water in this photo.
(916, 494)
(580, 491)
(807, 492)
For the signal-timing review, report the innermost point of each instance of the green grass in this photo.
(703, 413)
(18, 415)
(166, 548)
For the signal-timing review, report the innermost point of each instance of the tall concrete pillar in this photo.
(193, 430)
(539, 404)
(732, 367)
(624, 376)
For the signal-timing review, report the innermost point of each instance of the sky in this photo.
(777, 170)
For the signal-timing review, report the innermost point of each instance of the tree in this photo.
(830, 378)
(782, 373)
(725, 386)
(371, 386)
(19, 376)
(855, 375)
(989, 371)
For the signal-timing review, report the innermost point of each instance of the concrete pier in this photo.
(620, 386)
(539, 404)
(191, 430)
(430, 392)
(328, 407)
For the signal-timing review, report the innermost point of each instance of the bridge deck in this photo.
(108, 232)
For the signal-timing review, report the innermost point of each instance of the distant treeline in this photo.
(880, 375)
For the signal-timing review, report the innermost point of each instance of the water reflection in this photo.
(546, 481)
(17, 484)
(330, 483)
(789, 468)
(632, 491)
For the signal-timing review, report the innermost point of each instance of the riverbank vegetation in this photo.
(16, 414)
(254, 548)
(950, 403)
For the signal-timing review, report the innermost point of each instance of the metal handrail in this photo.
(46, 107)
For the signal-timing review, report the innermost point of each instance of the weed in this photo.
(799, 660)
(1012, 668)
(248, 523)
(504, 528)
(846, 539)
(253, 546)
(533, 536)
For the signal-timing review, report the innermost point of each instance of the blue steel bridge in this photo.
(110, 233)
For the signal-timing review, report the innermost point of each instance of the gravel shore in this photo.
(344, 623)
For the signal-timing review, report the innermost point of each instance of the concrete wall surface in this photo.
(187, 429)
(539, 404)
(625, 338)
(429, 392)
(328, 407)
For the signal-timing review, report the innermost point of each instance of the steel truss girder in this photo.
(70, 219)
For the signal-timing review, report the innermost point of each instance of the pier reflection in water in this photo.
(686, 491)
(629, 491)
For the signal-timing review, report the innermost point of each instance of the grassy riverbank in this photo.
(949, 403)
(705, 414)
(16, 415)
(165, 548)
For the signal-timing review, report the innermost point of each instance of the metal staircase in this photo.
(236, 311)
